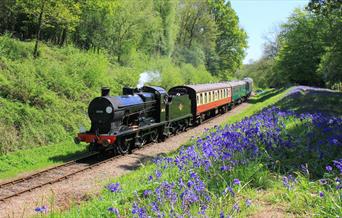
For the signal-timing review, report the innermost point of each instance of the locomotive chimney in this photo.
(105, 91)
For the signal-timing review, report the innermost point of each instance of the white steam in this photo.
(147, 77)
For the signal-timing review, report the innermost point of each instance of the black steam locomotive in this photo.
(151, 114)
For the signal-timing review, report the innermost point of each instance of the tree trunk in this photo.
(63, 37)
(40, 21)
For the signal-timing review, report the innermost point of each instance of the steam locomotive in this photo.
(151, 114)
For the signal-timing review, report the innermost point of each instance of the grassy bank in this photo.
(44, 100)
(277, 162)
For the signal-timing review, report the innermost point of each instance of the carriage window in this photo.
(205, 98)
(209, 97)
(197, 99)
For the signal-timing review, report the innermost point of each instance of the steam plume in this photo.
(148, 76)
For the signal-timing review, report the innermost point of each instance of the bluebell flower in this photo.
(221, 214)
(230, 190)
(321, 194)
(236, 182)
(114, 187)
(147, 193)
(42, 209)
(236, 207)
(158, 174)
(135, 208)
(114, 211)
(248, 202)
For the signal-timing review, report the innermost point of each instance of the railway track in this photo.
(58, 173)
(53, 175)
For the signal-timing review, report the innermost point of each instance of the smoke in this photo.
(147, 77)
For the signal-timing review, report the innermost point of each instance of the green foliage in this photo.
(301, 49)
(263, 73)
(44, 100)
(231, 40)
(307, 50)
(196, 32)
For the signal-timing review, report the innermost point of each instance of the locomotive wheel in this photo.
(154, 136)
(124, 146)
(140, 141)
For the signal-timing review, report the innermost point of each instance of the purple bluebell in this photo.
(328, 168)
(236, 182)
(114, 187)
(114, 211)
(42, 209)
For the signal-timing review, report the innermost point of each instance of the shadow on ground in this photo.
(264, 96)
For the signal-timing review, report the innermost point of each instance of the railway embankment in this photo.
(285, 160)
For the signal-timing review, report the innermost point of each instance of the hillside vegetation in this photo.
(306, 49)
(44, 100)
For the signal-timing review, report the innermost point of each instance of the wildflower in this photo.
(147, 193)
(114, 187)
(328, 168)
(154, 206)
(114, 211)
(323, 181)
(321, 194)
(230, 190)
(236, 182)
(150, 178)
(338, 164)
(142, 212)
(135, 208)
(158, 174)
(248, 202)
(221, 214)
(225, 168)
(236, 207)
(286, 182)
(42, 209)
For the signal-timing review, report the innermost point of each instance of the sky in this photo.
(260, 17)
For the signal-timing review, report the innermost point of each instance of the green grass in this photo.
(257, 103)
(38, 158)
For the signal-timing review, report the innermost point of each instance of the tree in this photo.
(166, 10)
(301, 48)
(331, 62)
(50, 14)
(230, 42)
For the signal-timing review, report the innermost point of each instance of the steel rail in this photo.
(70, 163)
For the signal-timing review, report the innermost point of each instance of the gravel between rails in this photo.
(82, 186)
